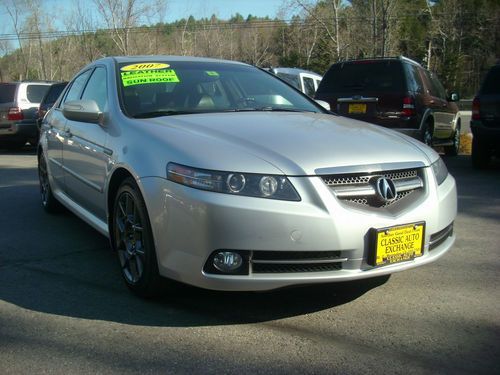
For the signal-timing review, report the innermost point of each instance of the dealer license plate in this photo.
(357, 108)
(397, 244)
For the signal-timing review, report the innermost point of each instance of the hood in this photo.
(294, 143)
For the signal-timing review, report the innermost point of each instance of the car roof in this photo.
(381, 59)
(153, 58)
(293, 71)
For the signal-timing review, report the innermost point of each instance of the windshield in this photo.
(162, 88)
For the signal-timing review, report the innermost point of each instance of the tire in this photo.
(427, 134)
(480, 153)
(132, 239)
(455, 148)
(49, 202)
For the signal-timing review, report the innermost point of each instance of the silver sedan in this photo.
(220, 175)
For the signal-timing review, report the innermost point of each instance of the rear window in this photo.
(35, 93)
(491, 84)
(355, 78)
(7, 92)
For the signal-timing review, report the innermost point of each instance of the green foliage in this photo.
(458, 39)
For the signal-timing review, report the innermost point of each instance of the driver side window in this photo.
(96, 89)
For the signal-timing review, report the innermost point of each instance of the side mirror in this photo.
(454, 97)
(83, 111)
(324, 104)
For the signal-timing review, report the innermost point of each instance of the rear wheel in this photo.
(133, 241)
(480, 153)
(453, 149)
(427, 133)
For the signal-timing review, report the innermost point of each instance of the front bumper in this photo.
(189, 225)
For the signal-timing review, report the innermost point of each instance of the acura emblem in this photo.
(386, 190)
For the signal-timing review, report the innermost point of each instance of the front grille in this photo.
(359, 189)
(295, 261)
(295, 268)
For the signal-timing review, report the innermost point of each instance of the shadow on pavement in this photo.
(57, 264)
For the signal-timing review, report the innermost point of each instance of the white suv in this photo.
(304, 80)
(19, 102)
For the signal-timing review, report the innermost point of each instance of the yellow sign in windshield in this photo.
(132, 78)
(144, 66)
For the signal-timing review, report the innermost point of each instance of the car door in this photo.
(436, 101)
(84, 153)
(448, 112)
(54, 126)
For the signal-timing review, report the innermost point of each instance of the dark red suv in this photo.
(396, 93)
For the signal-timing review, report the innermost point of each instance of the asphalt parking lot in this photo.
(64, 308)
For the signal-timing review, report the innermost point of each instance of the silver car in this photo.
(216, 174)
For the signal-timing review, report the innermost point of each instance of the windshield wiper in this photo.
(161, 113)
(279, 109)
(266, 109)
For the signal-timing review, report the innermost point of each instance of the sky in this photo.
(176, 9)
(223, 9)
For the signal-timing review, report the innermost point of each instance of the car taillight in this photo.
(408, 106)
(476, 106)
(15, 114)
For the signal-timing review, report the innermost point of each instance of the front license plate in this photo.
(397, 244)
(357, 108)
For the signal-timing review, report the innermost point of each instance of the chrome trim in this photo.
(408, 184)
(363, 190)
(354, 99)
(370, 168)
(446, 232)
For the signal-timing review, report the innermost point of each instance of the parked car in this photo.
(397, 93)
(19, 102)
(485, 122)
(48, 101)
(219, 175)
(305, 80)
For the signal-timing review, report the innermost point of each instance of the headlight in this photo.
(440, 171)
(248, 184)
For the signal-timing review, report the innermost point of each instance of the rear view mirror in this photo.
(83, 111)
(454, 97)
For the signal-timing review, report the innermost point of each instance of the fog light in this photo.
(227, 261)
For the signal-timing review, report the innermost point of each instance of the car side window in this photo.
(441, 92)
(96, 88)
(414, 80)
(77, 86)
(309, 86)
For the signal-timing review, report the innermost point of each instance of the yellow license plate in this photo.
(357, 108)
(397, 244)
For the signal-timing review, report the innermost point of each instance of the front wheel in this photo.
(49, 202)
(133, 241)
